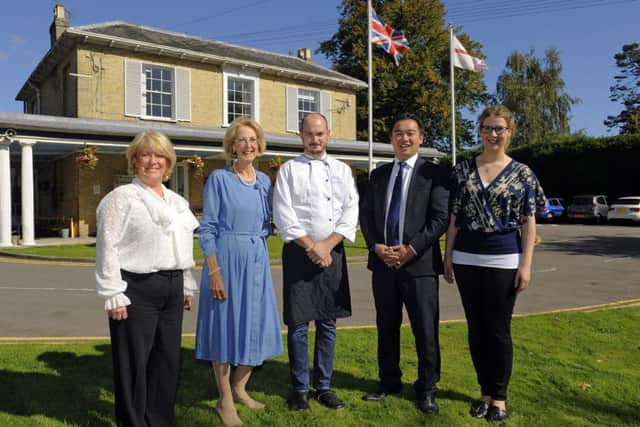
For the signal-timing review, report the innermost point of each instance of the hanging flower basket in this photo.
(273, 166)
(198, 164)
(87, 158)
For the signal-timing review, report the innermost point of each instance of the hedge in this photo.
(581, 164)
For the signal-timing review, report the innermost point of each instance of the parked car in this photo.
(589, 207)
(553, 209)
(625, 208)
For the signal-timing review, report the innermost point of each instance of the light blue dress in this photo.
(245, 328)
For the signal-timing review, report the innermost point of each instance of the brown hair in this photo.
(230, 136)
(499, 111)
(159, 143)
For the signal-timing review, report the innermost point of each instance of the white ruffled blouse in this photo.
(141, 232)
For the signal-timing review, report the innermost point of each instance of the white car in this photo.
(625, 208)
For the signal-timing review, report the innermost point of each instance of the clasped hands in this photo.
(320, 253)
(394, 256)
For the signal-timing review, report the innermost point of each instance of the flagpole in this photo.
(370, 72)
(453, 98)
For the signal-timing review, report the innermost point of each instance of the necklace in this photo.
(489, 170)
(252, 174)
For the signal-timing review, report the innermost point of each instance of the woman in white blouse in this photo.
(144, 271)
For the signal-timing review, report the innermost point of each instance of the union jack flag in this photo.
(392, 41)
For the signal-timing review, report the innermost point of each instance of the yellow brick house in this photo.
(98, 85)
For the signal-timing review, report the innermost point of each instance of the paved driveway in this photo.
(574, 266)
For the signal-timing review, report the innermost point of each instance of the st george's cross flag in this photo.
(462, 59)
(392, 41)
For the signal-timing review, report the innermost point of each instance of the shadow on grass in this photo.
(272, 378)
(197, 383)
(77, 389)
(71, 394)
(577, 405)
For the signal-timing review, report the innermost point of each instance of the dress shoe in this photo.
(329, 399)
(428, 405)
(377, 396)
(298, 401)
(479, 408)
(496, 415)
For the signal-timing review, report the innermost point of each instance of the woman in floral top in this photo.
(489, 247)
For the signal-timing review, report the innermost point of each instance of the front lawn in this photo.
(571, 369)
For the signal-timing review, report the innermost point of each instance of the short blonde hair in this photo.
(159, 143)
(230, 136)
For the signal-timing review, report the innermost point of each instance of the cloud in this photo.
(17, 40)
(3, 56)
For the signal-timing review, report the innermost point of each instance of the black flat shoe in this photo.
(329, 399)
(479, 408)
(428, 405)
(298, 401)
(496, 415)
(379, 395)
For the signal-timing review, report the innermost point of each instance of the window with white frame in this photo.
(239, 98)
(241, 94)
(157, 92)
(303, 101)
(308, 102)
(158, 96)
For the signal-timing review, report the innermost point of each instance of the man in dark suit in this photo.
(403, 214)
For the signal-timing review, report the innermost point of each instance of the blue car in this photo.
(553, 210)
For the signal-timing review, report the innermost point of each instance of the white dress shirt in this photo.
(141, 232)
(315, 198)
(406, 180)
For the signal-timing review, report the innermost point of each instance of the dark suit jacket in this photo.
(426, 216)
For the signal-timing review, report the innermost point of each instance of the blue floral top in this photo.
(503, 206)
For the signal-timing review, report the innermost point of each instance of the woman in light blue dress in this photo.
(238, 322)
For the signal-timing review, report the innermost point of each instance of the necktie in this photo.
(393, 215)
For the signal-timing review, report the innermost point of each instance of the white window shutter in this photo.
(292, 109)
(183, 94)
(132, 88)
(325, 106)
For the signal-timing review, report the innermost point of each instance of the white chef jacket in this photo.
(315, 198)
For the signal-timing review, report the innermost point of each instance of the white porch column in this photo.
(5, 192)
(27, 193)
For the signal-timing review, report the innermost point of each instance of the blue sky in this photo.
(587, 37)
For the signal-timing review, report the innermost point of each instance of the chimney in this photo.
(59, 23)
(305, 54)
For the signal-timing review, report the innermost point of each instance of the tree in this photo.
(421, 83)
(534, 90)
(627, 90)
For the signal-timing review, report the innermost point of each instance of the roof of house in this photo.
(115, 134)
(123, 35)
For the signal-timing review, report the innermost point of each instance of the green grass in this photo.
(274, 244)
(570, 369)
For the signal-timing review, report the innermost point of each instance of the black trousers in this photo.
(392, 289)
(146, 349)
(488, 296)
